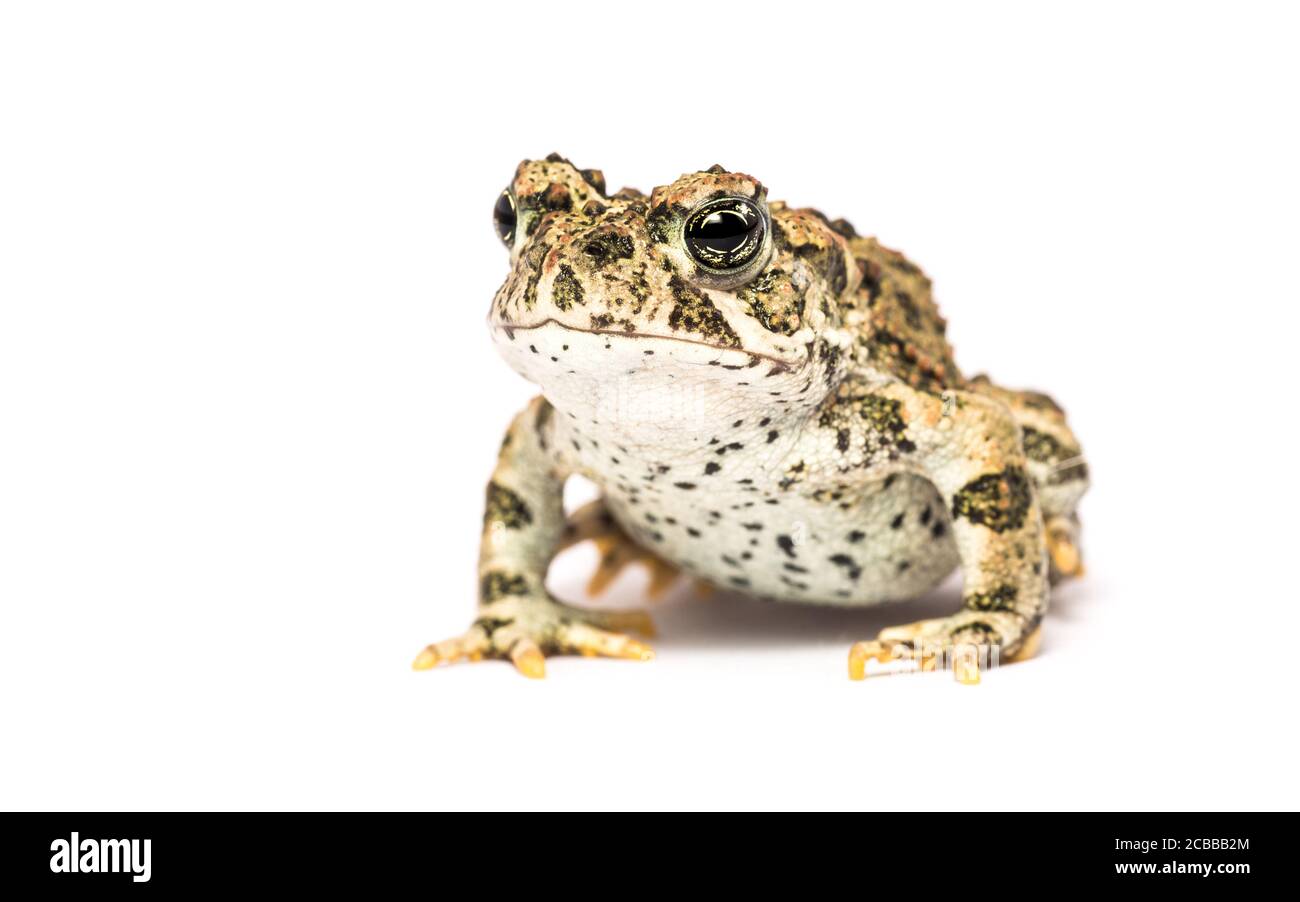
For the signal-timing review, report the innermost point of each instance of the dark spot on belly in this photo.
(685, 485)
(857, 535)
(786, 544)
(897, 522)
(850, 566)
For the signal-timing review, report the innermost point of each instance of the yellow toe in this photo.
(1028, 648)
(637, 651)
(528, 659)
(966, 666)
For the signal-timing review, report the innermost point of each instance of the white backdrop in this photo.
(248, 403)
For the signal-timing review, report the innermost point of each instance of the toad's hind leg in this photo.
(617, 551)
(1055, 461)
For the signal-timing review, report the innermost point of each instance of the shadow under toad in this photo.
(687, 618)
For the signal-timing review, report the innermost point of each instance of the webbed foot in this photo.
(966, 643)
(1062, 536)
(526, 630)
(617, 550)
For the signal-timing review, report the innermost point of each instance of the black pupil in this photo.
(503, 215)
(722, 231)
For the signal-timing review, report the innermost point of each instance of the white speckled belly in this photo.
(886, 539)
(891, 544)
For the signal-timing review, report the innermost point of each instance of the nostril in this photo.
(608, 246)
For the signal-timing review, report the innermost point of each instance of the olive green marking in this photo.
(774, 301)
(505, 507)
(885, 416)
(606, 247)
(977, 633)
(490, 625)
(536, 254)
(553, 199)
(999, 501)
(882, 416)
(660, 222)
(566, 291)
(1003, 598)
(1043, 448)
(497, 584)
(694, 312)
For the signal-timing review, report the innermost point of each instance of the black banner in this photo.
(434, 853)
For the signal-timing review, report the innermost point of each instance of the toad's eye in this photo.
(505, 217)
(726, 233)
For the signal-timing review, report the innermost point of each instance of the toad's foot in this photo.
(617, 550)
(525, 630)
(965, 642)
(1063, 548)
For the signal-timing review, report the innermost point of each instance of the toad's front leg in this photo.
(522, 528)
(971, 450)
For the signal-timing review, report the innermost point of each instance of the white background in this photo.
(248, 403)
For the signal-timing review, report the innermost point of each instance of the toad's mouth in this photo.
(728, 357)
